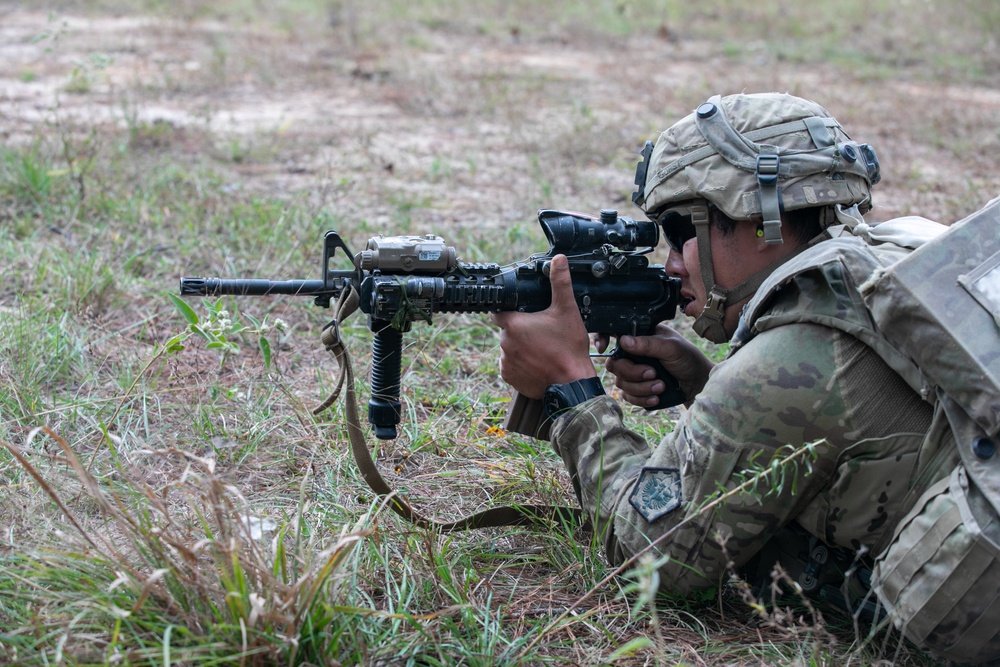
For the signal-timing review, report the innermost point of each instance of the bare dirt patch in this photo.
(470, 126)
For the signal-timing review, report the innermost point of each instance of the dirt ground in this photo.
(447, 126)
(458, 125)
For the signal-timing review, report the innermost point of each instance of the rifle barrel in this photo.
(253, 287)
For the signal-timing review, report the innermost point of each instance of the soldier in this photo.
(752, 192)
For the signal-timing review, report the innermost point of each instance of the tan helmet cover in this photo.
(712, 154)
(753, 157)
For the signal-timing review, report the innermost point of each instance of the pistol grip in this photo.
(672, 394)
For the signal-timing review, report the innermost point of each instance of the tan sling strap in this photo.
(540, 515)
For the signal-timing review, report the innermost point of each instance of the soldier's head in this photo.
(741, 185)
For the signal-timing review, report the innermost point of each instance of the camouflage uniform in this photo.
(809, 365)
(807, 378)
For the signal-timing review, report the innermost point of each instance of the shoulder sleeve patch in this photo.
(657, 492)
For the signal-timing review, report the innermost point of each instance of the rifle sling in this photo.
(520, 515)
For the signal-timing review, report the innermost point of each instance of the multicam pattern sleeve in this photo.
(787, 386)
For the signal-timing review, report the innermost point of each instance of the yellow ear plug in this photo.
(760, 232)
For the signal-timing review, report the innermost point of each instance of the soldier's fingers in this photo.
(641, 390)
(628, 370)
(641, 400)
(659, 346)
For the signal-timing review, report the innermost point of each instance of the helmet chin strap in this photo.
(709, 323)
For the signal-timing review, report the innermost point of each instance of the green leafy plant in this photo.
(222, 333)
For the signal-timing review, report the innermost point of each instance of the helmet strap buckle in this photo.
(709, 323)
(768, 166)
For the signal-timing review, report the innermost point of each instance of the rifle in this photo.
(404, 279)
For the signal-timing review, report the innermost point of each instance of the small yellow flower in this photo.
(495, 431)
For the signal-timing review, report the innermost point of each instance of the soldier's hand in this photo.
(547, 347)
(679, 356)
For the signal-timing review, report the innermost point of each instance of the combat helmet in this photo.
(751, 156)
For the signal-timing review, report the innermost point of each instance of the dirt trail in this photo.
(456, 123)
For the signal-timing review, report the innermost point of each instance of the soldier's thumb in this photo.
(562, 284)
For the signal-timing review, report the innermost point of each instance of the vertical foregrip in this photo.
(384, 407)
